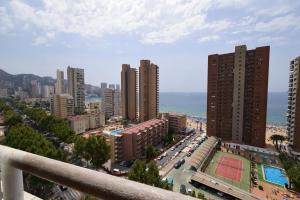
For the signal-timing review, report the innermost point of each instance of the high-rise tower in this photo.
(293, 113)
(237, 95)
(129, 92)
(76, 88)
(59, 85)
(148, 90)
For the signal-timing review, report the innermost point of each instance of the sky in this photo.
(40, 36)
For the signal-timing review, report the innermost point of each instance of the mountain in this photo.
(11, 81)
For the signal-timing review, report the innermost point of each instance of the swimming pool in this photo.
(275, 175)
(116, 132)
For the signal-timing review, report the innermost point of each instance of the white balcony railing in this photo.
(98, 184)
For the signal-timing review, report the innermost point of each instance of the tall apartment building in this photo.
(103, 85)
(117, 103)
(118, 88)
(148, 90)
(293, 113)
(47, 91)
(112, 86)
(76, 88)
(62, 105)
(237, 95)
(59, 85)
(107, 102)
(129, 92)
(35, 89)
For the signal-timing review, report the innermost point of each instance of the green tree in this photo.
(201, 196)
(138, 171)
(193, 193)
(152, 175)
(12, 118)
(93, 149)
(98, 150)
(151, 152)
(146, 173)
(27, 139)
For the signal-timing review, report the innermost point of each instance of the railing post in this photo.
(12, 181)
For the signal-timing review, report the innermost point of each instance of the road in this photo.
(179, 148)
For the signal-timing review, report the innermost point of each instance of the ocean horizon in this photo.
(194, 104)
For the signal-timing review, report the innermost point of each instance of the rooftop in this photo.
(92, 133)
(142, 126)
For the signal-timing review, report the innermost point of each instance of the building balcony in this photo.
(87, 181)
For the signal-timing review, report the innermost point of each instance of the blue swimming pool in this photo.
(275, 175)
(115, 132)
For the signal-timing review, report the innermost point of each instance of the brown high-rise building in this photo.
(148, 90)
(129, 93)
(237, 93)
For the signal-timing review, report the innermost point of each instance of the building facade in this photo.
(129, 92)
(107, 103)
(47, 91)
(62, 105)
(293, 113)
(76, 88)
(237, 95)
(112, 86)
(131, 143)
(82, 123)
(35, 89)
(59, 85)
(177, 121)
(117, 103)
(148, 90)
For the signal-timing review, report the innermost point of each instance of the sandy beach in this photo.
(270, 130)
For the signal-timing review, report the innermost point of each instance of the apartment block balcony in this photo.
(91, 182)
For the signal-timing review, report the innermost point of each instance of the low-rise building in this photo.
(131, 143)
(177, 121)
(93, 107)
(82, 123)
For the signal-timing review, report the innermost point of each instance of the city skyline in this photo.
(40, 47)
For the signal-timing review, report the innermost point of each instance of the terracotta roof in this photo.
(142, 126)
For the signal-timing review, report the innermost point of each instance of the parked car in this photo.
(182, 189)
(189, 154)
(122, 163)
(220, 194)
(177, 165)
(182, 161)
(173, 148)
(128, 163)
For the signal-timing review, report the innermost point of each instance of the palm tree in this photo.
(275, 138)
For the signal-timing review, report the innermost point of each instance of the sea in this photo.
(194, 105)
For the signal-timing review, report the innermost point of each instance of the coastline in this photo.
(270, 129)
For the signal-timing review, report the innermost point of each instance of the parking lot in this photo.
(182, 175)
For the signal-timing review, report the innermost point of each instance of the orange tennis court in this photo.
(230, 168)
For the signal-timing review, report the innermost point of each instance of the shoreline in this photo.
(268, 125)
